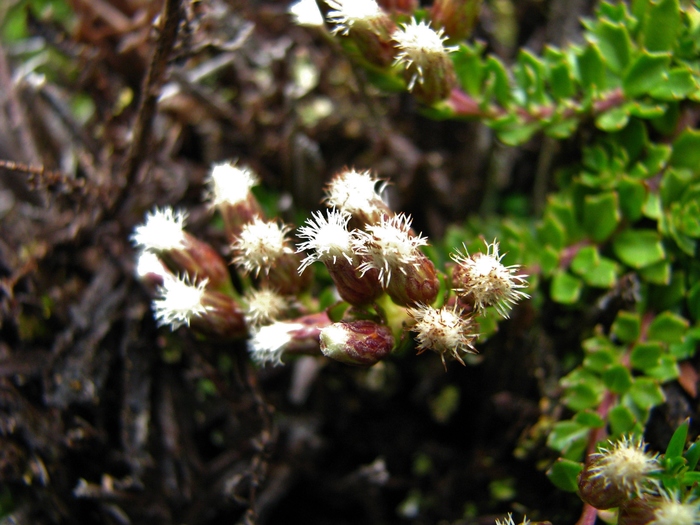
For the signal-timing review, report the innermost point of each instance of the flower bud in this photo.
(444, 331)
(359, 194)
(666, 509)
(362, 343)
(455, 17)
(283, 275)
(617, 473)
(228, 190)
(415, 284)
(163, 234)
(401, 6)
(427, 66)
(356, 287)
(367, 25)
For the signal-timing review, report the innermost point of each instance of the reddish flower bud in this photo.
(667, 509)
(416, 284)
(356, 287)
(456, 17)
(362, 343)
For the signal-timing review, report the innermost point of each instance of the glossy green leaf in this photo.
(601, 215)
(627, 326)
(632, 194)
(658, 273)
(565, 434)
(585, 260)
(566, 288)
(469, 68)
(678, 84)
(592, 69)
(498, 81)
(618, 379)
(662, 25)
(564, 474)
(638, 248)
(666, 370)
(693, 300)
(561, 79)
(621, 420)
(615, 44)
(589, 418)
(646, 355)
(686, 151)
(645, 73)
(667, 327)
(551, 232)
(646, 393)
(693, 455)
(676, 445)
(599, 360)
(581, 396)
(614, 119)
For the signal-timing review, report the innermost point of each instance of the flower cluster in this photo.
(414, 46)
(372, 254)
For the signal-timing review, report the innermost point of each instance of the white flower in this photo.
(486, 281)
(509, 521)
(263, 306)
(259, 244)
(354, 191)
(149, 263)
(229, 184)
(347, 13)
(178, 301)
(162, 230)
(673, 511)
(268, 343)
(327, 238)
(306, 13)
(388, 246)
(420, 46)
(444, 331)
(624, 465)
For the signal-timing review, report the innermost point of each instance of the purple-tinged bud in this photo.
(367, 25)
(666, 509)
(416, 284)
(428, 68)
(617, 473)
(399, 6)
(284, 277)
(361, 343)
(456, 17)
(163, 234)
(229, 191)
(356, 287)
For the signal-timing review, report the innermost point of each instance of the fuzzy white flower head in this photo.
(347, 13)
(419, 45)
(268, 343)
(306, 13)
(509, 521)
(354, 191)
(178, 300)
(327, 238)
(162, 230)
(444, 331)
(388, 246)
(625, 465)
(259, 244)
(263, 306)
(487, 281)
(149, 263)
(673, 511)
(229, 184)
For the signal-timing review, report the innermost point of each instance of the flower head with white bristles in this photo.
(268, 343)
(178, 300)
(420, 47)
(354, 191)
(346, 14)
(509, 521)
(443, 330)
(162, 230)
(259, 244)
(484, 280)
(229, 184)
(306, 13)
(327, 238)
(672, 510)
(388, 247)
(625, 465)
(263, 306)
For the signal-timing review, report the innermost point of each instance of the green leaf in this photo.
(646, 355)
(581, 396)
(686, 151)
(551, 232)
(497, 81)
(549, 260)
(615, 44)
(638, 248)
(621, 420)
(632, 193)
(560, 75)
(564, 474)
(645, 73)
(599, 360)
(674, 183)
(590, 418)
(646, 393)
(627, 326)
(662, 25)
(618, 379)
(529, 72)
(601, 215)
(693, 455)
(602, 276)
(659, 273)
(693, 300)
(469, 68)
(585, 260)
(614, 119)
(517, 134)
(667, 370)
(591, 69)
(678, 84)
(676, 445)
(566, 434)
(566, 288)
(667, 328)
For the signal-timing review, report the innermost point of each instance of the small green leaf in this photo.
(585, 260)
(498, 81)
(645, 73)
(621, 420)
(549, 260)
(602, 276)
(679, 83)
(614, 119)
(686, 151)
(667, 328)
(592, 69)
(618, 379)
(645, 355)
(667, 370)
(658, 273)
(566, 288)
(693, 455)
(469, 68)
(565, 434)
(694, 301)
(560, 75)
(581, 396)
(590, 419)
(676, 445)
(564, 474)
(638, 248)
(615, 44)
(599, 360)
(627, 326)
(551, 232)
(646, 393)
(601, 215)
(632, 193)
(662, 25)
